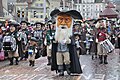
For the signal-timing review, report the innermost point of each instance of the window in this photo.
(83, 9)
(37, 5)
(83, 5)
(87, 14)
(41, 16)
(41, 5)
(83, 14)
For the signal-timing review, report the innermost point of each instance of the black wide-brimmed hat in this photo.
(75, 14)
(99, 19)
(15, 24)
(39, 23)
(24, 22)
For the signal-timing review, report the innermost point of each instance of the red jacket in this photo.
(101, 36)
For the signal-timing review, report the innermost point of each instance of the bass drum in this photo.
(107, 45)
(9, 43)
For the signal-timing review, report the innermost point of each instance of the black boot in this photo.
(101, 59)
(68, 69)
(16, 62)
(49, 61)
(105, 59)
(11, 61)
(30, 63)
(33, 63)
(61, 71)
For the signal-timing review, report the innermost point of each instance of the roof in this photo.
(108, 12)
(110, 5)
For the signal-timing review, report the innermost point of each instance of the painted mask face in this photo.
(64, 20)
(24, 25)
(12, 28)
(38, 26)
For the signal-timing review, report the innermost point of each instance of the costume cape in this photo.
(75, 66)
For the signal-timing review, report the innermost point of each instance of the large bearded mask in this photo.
(64, 27)
(64, 23)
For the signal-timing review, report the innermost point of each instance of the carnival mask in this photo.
(64, 21)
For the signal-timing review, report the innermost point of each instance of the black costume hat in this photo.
(15, 24)
(77, 22)
(24, 22)
(39, 23)
(75, 14)
(99, 20)
(42, 24)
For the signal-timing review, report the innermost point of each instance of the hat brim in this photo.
(39, 23)
(24, 22)
(15, 24)
(75, 14)
(99, 20)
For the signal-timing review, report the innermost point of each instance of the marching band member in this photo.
(48, 40)
(101, 36)
(9, 40)
(38, 34)
(64, 55)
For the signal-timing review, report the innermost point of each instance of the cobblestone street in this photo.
(92, 70)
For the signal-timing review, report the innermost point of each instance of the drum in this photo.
(107, 45)
(9, 43)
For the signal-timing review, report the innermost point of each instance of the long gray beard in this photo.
(62, 34)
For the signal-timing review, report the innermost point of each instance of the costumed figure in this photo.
(101, 36)
(23, 39)
(93, 45)
(10, 43)
(48, 40)
(38, 34)
(32, 50)
(77, 35)
(64, 54)
(83, 38)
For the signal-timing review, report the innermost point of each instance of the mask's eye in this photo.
(60, 19)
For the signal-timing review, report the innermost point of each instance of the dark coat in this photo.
(75, 64)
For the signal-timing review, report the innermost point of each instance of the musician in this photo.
(101, 36)
(48, 40)
(63, 49)
(13, 33)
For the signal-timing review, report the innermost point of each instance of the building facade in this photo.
(90, 9)
(38, 10)
(4, 11)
